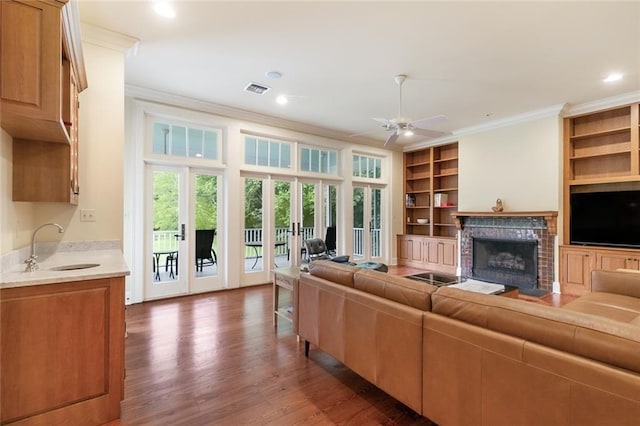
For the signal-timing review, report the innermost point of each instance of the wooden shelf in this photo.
(602, 154)
(419, 191)
(446, 174)
(417, 177)
(417, 207)
(422, 163)
(442, 160)
(600, 133)
(445, 207)
(445, 189)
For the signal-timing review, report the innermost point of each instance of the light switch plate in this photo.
(87, 215)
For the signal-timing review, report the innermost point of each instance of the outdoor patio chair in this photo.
(205, 254)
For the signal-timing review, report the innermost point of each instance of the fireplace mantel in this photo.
(550, 217)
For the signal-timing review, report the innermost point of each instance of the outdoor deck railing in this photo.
(167, 240)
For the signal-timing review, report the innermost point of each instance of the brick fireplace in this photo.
(509, 248)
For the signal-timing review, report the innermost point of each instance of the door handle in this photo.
(182, 232)
(299, 231)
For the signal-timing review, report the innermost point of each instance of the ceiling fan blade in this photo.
(430, 121)
(427, 132)
(383, 121)
(392, 139)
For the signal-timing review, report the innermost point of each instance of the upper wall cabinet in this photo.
(37, 42)
(42, 72)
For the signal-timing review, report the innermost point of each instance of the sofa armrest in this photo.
(618, 282)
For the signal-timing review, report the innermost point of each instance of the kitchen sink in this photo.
(74, 267)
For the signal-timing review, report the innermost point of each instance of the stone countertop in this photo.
(112, 264)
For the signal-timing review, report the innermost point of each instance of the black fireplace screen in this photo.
(511, 262)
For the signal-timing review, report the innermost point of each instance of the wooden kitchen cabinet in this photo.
(42, 72)
(62, 352)
(610, 260)
(410, 250)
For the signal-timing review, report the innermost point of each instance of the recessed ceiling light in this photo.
(273, 75)
(164, 9)
(282, 100)
(614, 76)
(408, 132)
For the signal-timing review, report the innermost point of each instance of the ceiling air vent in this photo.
(257, 88)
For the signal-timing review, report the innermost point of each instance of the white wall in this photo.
(16, 219)
(520, 164)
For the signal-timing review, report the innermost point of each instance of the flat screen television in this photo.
(609, 218)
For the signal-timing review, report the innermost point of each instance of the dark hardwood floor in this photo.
(216, 359)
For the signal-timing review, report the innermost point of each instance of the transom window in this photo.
(318, 160)
(266, 152)
(367, 167)
(182, 141)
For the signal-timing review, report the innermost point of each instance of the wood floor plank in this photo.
(217, 359)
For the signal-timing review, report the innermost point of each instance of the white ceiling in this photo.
(471, 61)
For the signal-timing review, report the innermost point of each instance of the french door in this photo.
(180, 204)
(280, 214)
(367, 222)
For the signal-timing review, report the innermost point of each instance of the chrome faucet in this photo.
(32, 262)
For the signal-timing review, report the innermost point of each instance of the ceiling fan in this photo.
(403, 125)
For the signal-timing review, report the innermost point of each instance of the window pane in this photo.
(333, 163)
(179, 141)
(356, 165)
(378, 171)
(285, 156)
(315, 160)
(304, 162)
(195, 143)
(263, 152)
(250, 151)
(324, 162)
(371, 166)
(160, 138)
(210, 149)
(274, 154)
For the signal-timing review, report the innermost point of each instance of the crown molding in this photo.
(551, 111)
(606, 103)
(537, 114)
(153, 95)
(109, 39)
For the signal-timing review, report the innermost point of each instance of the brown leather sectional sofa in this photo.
(462, 358)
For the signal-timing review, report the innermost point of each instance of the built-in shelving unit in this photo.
(601, 150)
(431, 190)
(431, 195)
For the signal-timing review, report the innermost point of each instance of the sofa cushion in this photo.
(338, 273)
(613, 306)
(398, 289)
(595, 337)
(618, 282)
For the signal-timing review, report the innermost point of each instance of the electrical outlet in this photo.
(87, 215)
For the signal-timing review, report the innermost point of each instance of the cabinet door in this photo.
(30, 65)
(416, 250)
(448, 253)
(576, 274)
(432, 253)
(611, 261)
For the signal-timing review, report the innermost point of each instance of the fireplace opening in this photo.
(510, 262)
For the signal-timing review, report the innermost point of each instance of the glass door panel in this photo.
(285, 243)
(205, 267)
(253, 225)
(308, 211)
(375, 228)
(166, 232)
(358, 223)
(330, 216)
